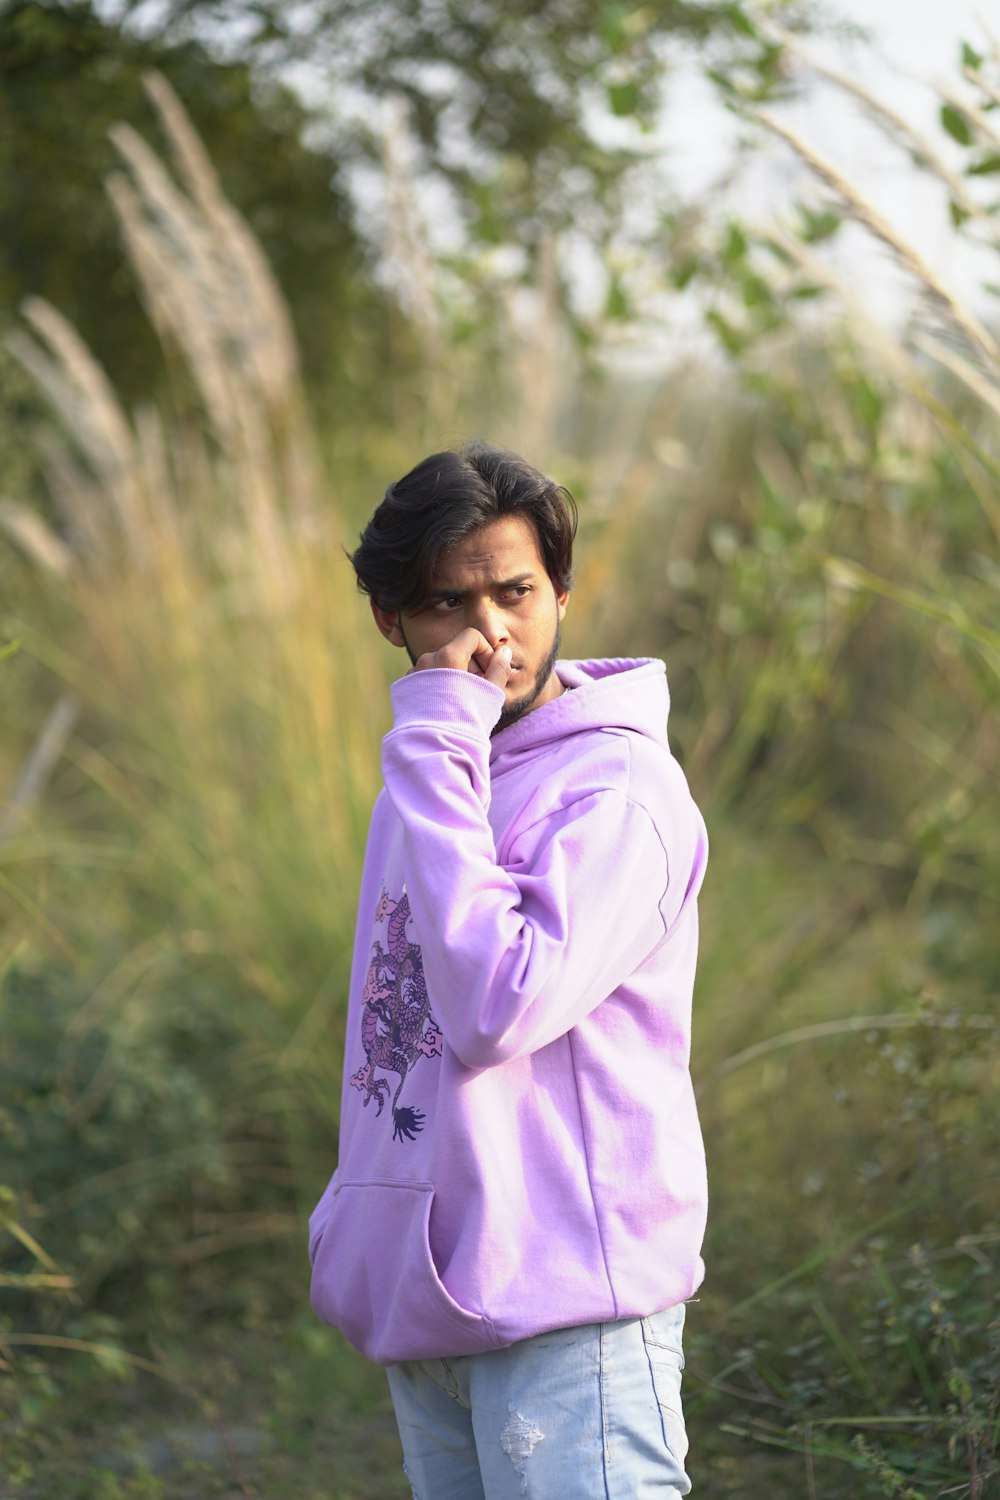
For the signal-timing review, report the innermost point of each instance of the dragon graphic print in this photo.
(397, 1027)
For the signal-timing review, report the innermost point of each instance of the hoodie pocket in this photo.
(374, 1277)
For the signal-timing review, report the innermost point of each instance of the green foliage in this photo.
(262, 1405)
(835, 1144)
(891, 1394)
(956, 125)
(119, 1133)
(22, 410)
(66, 75)
(504, 98)
(623, 98)
(985, 165)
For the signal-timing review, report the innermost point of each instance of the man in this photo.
(517, 1215)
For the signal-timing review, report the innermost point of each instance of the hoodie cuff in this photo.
(447, 699)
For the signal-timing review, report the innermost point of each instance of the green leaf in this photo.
(970, 57)
(958, 214)
(819, 225)
(623, 98)
(617, 305)
(685, 271)
(755, 291)
(9, 649)
(112, 1359)
(984, 165)
(735, 248)
(739, 20)
(868, 404)
(611, 26)
(731, 338)
(956, 124)
(780, 253)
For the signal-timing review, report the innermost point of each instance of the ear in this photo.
(561, 602)
(387, 621)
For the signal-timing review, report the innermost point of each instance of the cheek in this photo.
(435, 631)
(545, 622)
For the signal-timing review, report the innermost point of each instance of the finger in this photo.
(481, 652)
(499, 668)
(468, 652)
(468, 647)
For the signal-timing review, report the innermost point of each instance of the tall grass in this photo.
(232, 699)
(862, 669)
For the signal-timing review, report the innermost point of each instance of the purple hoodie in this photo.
(519, 1146)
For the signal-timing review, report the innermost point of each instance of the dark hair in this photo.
(442, 501)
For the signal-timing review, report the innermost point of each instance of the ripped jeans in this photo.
(588, 1413)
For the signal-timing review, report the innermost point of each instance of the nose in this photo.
(491, 622)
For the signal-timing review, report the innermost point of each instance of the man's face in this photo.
(494, 581)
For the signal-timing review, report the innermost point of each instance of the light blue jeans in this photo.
(588, 1413)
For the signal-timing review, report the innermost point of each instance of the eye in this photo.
(449, 603)
(518, 591)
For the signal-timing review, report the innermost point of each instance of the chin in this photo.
(524, 699)
(516, 708)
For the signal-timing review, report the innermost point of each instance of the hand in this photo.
(470, 652)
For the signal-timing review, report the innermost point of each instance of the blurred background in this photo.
(728, 270)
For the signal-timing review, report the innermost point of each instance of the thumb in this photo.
(499, 668)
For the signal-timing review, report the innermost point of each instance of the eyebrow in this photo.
(504, 583)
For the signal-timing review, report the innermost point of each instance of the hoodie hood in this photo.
(613, 693)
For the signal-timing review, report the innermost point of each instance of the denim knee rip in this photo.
(519, 1440)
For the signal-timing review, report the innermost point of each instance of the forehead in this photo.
(503, 548)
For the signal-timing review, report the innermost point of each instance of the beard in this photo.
(511, 712)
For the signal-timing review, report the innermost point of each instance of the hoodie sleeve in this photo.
(514, 954)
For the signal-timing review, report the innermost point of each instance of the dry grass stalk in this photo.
(981, 82)
(183, 307)
(939, 295)
(890, 354)
(213, 300)
(80, 389)
(268, 327)
(846, 1026)
(233, 688)
(36, 538)
(81, 504)
(821, 273)
(212, 296)
(970, 374)
(184, 276)
(896, 125)
(83, 397)
(39, 764)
